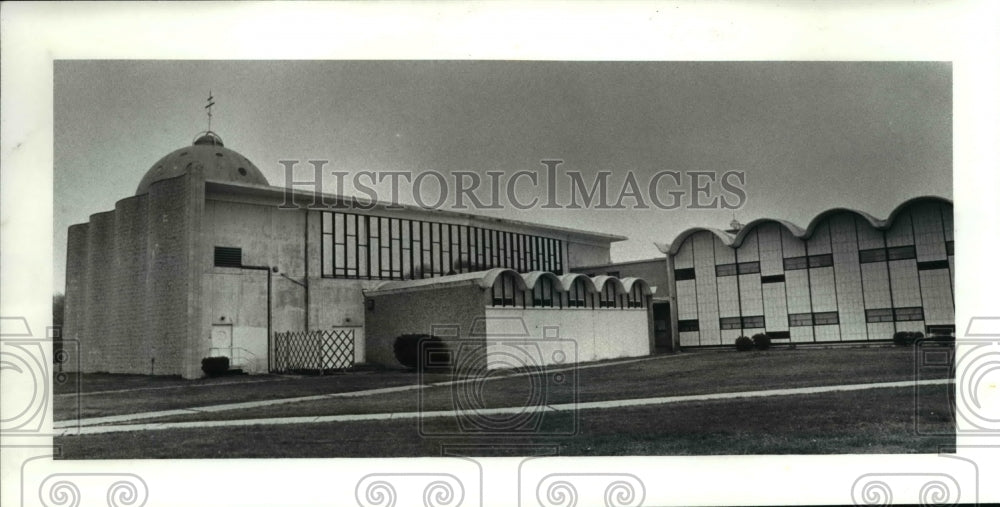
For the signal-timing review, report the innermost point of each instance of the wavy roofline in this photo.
(735, 240)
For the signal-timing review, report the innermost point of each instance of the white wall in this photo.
(597, 334)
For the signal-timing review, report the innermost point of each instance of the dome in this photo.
(218, 163)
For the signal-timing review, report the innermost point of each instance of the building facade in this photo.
(208, 259)
(846, 277)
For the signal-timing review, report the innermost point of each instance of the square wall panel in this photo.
(769, 243)
(880, 330)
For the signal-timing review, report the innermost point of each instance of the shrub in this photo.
(743, 343)
(906, 338)
(762, 341)
(215, 366)
(407, 348)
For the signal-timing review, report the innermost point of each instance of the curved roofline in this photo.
(569, 278)
(602, 280)
(490, 277)
(674, 246)
(735, 241)
(531, 279)
(630, 281)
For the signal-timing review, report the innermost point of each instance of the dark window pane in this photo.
(725, 270)
(687, 325)
(826, 318)
(879, 315)
(873, 255)
(902, 252)
(820, 261)
(800, 319)
(795, 263)
(684, 274)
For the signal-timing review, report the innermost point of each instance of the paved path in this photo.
(350, 394)
(90, 430)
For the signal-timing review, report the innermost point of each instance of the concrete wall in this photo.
(127, 283)
(583, 254)
(597, 334)
(418, 312)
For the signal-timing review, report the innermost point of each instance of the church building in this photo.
(207, 259)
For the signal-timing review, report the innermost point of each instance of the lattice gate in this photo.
(313, 351)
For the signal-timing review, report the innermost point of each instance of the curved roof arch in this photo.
(570, 278)
(603, 280)
(675, 245)
(488, 278)
(630, 282)
(531, 279)
(824, 215)
(914, 201)
(745, 231)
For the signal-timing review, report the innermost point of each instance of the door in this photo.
(222, 340)
(661, 326)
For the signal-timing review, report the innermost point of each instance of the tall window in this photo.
(506, 291)
(636, 299)
(610, 297)
(384, 248)
(544, 294)
(579, 296)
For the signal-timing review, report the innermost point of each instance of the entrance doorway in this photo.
(222, 340)
(661, 326)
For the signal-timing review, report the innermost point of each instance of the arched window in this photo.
(636, 299)
(579, 296)
(506, 291)
(544, 294)
(609, 296)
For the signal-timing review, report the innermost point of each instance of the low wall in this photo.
(594, 334)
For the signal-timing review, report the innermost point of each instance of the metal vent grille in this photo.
(228, 257)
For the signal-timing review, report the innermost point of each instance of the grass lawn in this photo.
(874, 421)
(870, 421)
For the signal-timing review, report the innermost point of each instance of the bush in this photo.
(407, 347)
(762, 341)
(906, 338)
(215, 366)
(743, 343)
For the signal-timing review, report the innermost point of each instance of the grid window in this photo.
(795, 263)
(687, 325)
(909, 313)
(753, 322)
(772, 279)
(725, 270)
(746, 268)
(800, 319)
(879, 315)
(372, 247)
(826, 318)
(730, 323)
(949, 247)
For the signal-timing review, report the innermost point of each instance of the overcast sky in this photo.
(808, 136)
